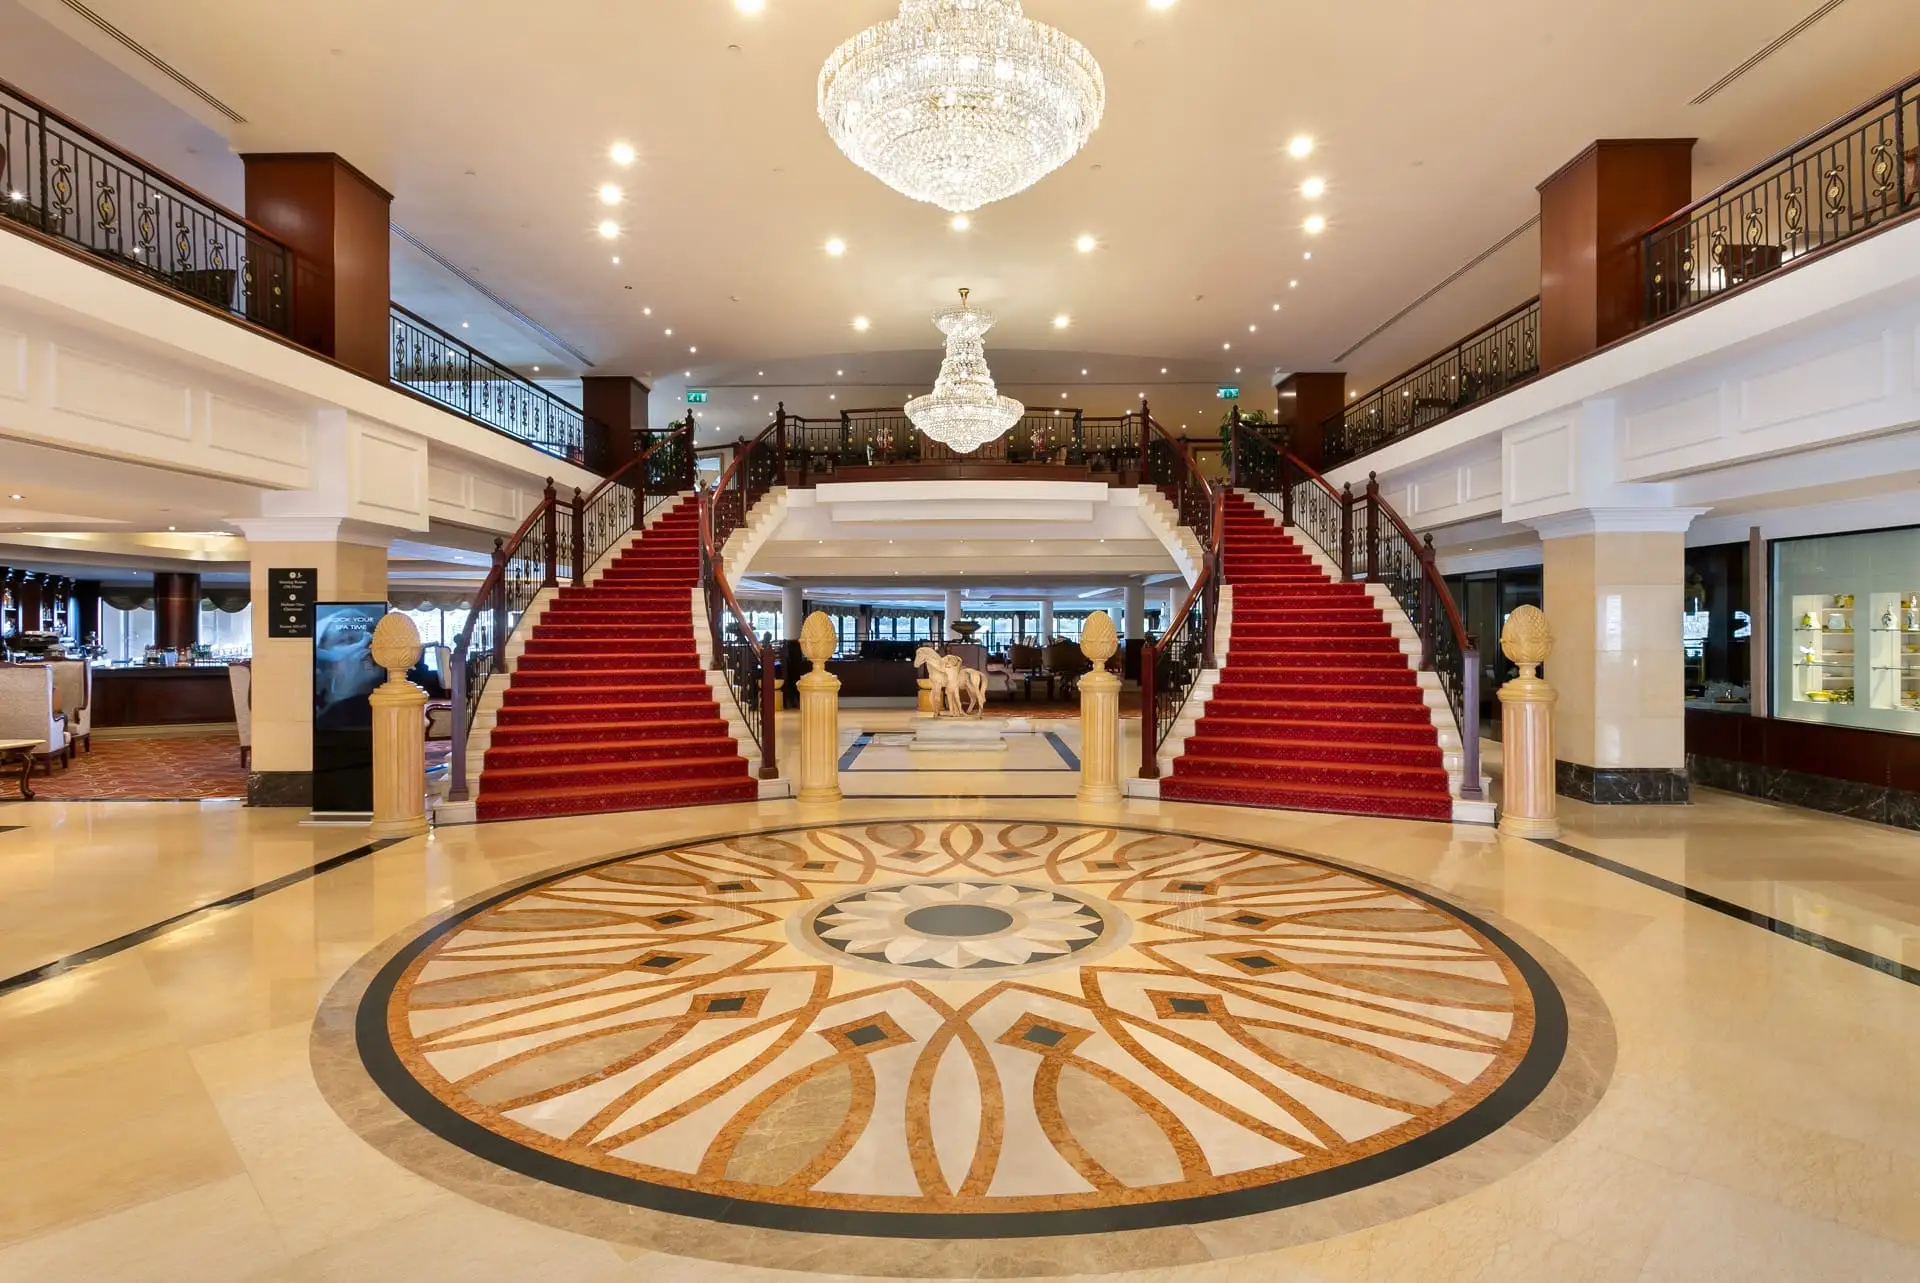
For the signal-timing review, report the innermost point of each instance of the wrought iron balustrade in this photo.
(61, 179)
(750, 665)
(1836, 183)
(1487, 362)
(432, 363)
(1171, 664)
(883, 437)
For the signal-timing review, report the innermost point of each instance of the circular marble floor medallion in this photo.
(961, 1030)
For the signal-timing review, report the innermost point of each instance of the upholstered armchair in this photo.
(27, 711)
(240, 678)
(73, 695)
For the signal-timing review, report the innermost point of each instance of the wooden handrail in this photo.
(1432, 572)
(769, 765)
(1206, 582)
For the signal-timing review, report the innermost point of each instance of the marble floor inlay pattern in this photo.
(953, 1029)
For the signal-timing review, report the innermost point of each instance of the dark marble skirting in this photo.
(280, 788)
(1621, 785)
(1877, 803)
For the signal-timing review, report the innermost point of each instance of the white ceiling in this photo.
(1434, 123)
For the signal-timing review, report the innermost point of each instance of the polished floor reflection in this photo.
(1752, 1114)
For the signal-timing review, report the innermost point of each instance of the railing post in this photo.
(769, 710)
(499, 605)
(1426, 603)
(1470, 790)
(1286, 490)
(457, 763)
(1346, 531)
(1233, 447)
(1373, 527)
(1149, 718)
(579, 538)
(550, 534)
(780, 437)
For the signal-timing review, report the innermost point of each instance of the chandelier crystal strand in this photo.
(961, 103)
(965, 410)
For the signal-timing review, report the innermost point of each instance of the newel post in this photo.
(1346, 531)
(1427, 572)
(1149, 728)
(1373, 526)
(550, 535)
(499, 605)
(579, 537)
(780, 440)
(1233, 447)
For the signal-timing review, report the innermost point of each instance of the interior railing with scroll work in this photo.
(1367, 540)
(561, 540)
(1858, 172)
(1494, 358)
(881, 437)
(61, 179)
(749, 663)
(432, 363)
(1171, 664)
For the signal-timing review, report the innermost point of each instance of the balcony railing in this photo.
(431, 362)
(1486, 363)
(1832, 185)
(884, 437)
(59, 178)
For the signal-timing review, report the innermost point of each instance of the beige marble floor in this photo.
(161, 1120)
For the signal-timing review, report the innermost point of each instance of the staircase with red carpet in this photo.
(1318, 706)
(607, 707)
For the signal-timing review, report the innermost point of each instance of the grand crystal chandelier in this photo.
(964, 411)
(961, 102)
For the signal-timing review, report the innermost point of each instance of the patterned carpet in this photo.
(183, 767)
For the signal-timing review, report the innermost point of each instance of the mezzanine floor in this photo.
(1149, 1041)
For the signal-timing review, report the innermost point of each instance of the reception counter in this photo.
(199, 693)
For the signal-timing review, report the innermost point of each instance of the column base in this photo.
(1526, 826)
(280, 788)
(1621, 785)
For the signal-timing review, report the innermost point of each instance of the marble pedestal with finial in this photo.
(819, 714)
(399, 732)
(1528, 806)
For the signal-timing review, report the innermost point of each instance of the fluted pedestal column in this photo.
(1099, 714)
(399, 733)
(1528, 795)
(819, 715)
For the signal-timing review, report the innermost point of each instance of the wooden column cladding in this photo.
(336, 219)
(176, 610)
(1593, 212)
(1307, 401)
(616, 411)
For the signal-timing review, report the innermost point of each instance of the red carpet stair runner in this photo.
(1317, 707)
(608, 708)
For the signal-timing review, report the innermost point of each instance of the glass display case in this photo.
(1847, 630)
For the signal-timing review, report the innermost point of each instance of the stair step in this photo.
(598, 712)
(1339, 707)
(589, 734)
(710, 766)
(1406, 804)
(1311, 774)
(1206, 746)
(610, 751)
(595, 800)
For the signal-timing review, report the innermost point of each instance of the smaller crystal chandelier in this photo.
(964, 411)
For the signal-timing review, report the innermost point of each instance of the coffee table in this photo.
(20, 751)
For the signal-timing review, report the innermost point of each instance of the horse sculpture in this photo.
(953, 686)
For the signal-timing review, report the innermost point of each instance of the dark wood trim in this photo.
(1884, 759)
(335, 157)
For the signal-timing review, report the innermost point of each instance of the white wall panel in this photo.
(104, 391)
(13, 365)
(1857, 374)
(1539, 463)
(1673, 426)
(236, 427)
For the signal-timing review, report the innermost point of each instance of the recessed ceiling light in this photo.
(836, 247)
(1314, 188)
(839, 374)
(646, 311)
(16, 497)
(1253, 329)
(750, 7)
(536, 369)
(669, 333)
(616, 260)
(1160, 4)
(1063, 396)
(1236, 369)
(1062, 321)
(1300, 147)
(1308, 255)
(693, 351)
(833, 396)
(1315, 224)
(763, 374)
(960, 223)
(1353, 396)
(609, 229)
(622, 153)
(756, 396)
(463, 325)
(1226, 347)
(689, 373)
(1086, 244)
(861, 323)
(1163, 369)
(610, 193)
(1083, 374)
(1292, 285)
(173, 527)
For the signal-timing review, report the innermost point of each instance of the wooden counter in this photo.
(161, 696)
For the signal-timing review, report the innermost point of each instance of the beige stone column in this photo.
(1099, 714)
(348, 565)
(819, 714)
(1527, 802)
(399, 733)
(1615, 596)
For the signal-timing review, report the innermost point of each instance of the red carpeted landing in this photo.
(1317, 708)
(609, 709)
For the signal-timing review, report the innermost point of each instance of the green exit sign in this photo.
(1225, 394)
(696, 396)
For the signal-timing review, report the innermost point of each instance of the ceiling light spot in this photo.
(1062, 321)
(836, 247)
(1292, 285)
(609, 229)
(463, 325)
(1087, 243)
(1160, 4)
(610, 193)
(616, 260)
(536, 369)
(1226, 347)
(693, 351)
(1083, 374)
(1315, 224)
(669, 333)
(861, 323)
(1314, 188)
(1253, 329)
(750, 7)
(622, 153)
(960, 223)
(839, 374)
(16, 497)
(1163, 369)
(1308, 255)
(1300, 147)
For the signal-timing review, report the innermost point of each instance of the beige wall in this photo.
(283, 669)
(1614, 601)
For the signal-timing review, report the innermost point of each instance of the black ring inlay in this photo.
(1504, 1103)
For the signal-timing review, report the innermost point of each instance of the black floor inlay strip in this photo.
(853, 750)
(1060, 747)
(1766, 922)
(120, 944)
